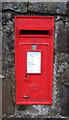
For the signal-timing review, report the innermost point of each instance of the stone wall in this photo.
(60, 105)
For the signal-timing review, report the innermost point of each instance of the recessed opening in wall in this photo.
(34, 32)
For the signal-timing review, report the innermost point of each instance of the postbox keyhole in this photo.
(33, 47)
(26, 76)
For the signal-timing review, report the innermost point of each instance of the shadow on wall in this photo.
(33, 119)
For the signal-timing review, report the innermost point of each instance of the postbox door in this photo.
(34, 59)
(33, 71)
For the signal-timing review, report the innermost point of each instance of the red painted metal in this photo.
(34, 87)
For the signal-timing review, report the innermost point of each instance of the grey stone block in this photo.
(15, 6)
(7, 83)
(5, 18)
(64, 95)
(63, 82)
(48, 7)
(8, 30)
(62, 38)
(0, 7)
(23, 119)
(67, 12)
(0, 96)
(63, 75)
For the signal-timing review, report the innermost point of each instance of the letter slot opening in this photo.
(34, 32)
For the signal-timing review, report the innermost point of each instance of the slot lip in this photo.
(34, 36)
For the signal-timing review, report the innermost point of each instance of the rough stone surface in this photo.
(67, 8)
(0, 62)
(62, 37)
(0, 7)
(35, 119)
(68, 37)
(59, 107)
(64, 95)
(63, 78)
(15, 6)
(7, 103)
(6, 17)
(49, 8)
(8, 30)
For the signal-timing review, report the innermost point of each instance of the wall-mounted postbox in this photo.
(34, 36)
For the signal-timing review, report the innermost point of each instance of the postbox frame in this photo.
(17, 36)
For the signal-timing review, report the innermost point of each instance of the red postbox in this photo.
(34, 36)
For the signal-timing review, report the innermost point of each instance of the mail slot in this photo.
(34, 38)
